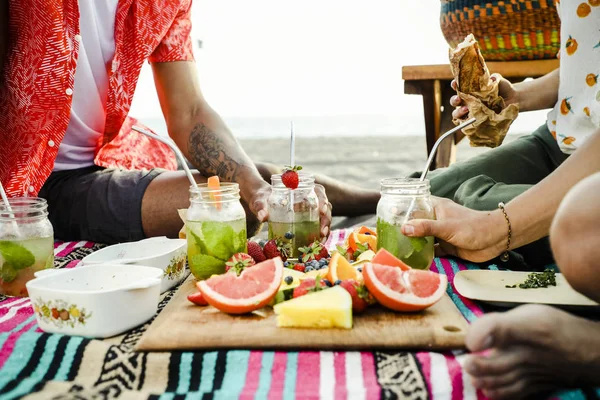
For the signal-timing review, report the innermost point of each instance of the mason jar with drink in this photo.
(215, 227)
(26, 243)
(404, 199)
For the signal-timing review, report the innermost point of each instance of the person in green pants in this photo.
(505, 172)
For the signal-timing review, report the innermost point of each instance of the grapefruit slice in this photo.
(341, 269)
(384, 257)
(398, 290)
(254, 288)
(214, 183)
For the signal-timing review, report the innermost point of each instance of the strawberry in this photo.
(361, 298)
(238, 262)
(197, 299)
(256, 252)
(309, 285)
(276, 248)
(315, 251)
(300, 267)
(289, 178)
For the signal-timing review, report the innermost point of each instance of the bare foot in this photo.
(533, 350)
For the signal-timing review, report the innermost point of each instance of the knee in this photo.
(575, 236)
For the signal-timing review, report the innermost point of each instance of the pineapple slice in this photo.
(329, 308)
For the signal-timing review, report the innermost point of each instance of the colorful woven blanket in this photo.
(37, 365)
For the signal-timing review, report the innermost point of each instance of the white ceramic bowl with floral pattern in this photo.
(170, 255)
(96, 301)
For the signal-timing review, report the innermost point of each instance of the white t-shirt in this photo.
(88, 110)
(576, 116)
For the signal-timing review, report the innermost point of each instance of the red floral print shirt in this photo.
(37, 80)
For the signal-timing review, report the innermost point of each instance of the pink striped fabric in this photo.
(372, 388)
(9, 344)
(309, 370)
(339, 367)
(253, 375)
(278, 375)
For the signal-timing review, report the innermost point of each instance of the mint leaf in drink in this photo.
(240, 242)
(7, 273)
(16, 255)
(199, 243)
(218, 238)
(418, 243)
(203, 266)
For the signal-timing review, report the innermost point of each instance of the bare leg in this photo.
(169, 192)
(347, 200)
(536, 349)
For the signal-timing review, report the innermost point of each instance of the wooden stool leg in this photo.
(447, 151)
(431, 121)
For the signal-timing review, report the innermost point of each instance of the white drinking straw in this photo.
(9, 208)
(292, 152)
(175, 149)
(430, 159)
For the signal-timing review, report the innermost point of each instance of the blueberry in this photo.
(337, 282)
(367, 233)
(308, 269)
(262, 243)
(326, 281)
(288, 280)
(322, 266)
(289, 235)
(359, 269)
(286, 264)
(324, 261)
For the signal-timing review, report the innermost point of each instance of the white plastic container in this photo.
(160, 252)
(96, 301)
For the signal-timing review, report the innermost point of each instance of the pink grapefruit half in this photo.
(254, 288)
(384, 257)
(398, 290)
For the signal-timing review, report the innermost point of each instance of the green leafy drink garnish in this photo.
(16, 257)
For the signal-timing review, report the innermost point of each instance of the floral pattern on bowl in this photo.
(175, 267)
(60, 313)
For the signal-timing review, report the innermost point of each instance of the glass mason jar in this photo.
(404, 199)
(294, 214)
(215, 228)
(26, 243)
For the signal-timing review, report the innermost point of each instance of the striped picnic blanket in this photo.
(36, 365)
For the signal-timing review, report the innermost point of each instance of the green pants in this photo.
(502, 174)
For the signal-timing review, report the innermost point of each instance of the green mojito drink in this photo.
(20, 260)
(294, 213)
(415, 252)
(212, 243)
(404, 199)
(215, 227)
(26, 243)
(298, 234)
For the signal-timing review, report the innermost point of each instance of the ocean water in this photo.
(339, 125)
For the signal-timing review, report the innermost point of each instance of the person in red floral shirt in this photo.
(69, 72)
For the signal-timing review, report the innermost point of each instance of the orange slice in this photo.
(214, 183)
(340, 268)
(365, 230)
(398, 290)
(352, 240)
(369, 240)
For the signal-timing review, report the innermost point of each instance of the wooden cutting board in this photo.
(184, 326)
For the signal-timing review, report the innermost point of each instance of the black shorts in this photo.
(97, 204)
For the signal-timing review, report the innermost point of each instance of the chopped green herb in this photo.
(537, 280)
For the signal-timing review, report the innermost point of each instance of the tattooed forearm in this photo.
(211, 155)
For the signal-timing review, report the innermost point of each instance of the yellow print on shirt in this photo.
(591, 79)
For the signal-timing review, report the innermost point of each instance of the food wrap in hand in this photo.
(480, 94)
(183, 216)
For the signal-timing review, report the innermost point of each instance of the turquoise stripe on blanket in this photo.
(264, 383)
(291, 371)
(18, 358)
(235, 375)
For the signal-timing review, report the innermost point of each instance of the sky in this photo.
(283, 58)
(315, 57)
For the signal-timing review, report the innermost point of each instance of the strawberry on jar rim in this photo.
(290, 178)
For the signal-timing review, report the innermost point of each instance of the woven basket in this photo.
(506, 30)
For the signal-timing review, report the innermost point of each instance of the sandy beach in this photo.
(360, 161)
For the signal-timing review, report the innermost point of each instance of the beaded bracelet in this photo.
(504, 256)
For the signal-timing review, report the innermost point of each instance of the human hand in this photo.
(506, 90)
(258, 200)
(476, 236)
